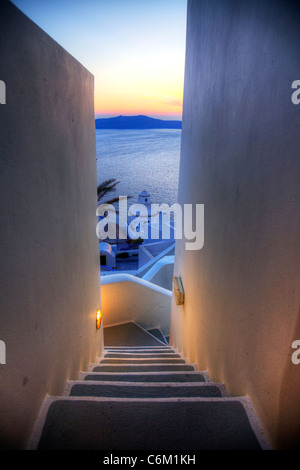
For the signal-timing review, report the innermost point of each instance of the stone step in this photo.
(142, 390)
(133, 355)
(93, 423)
(176, 376)
(143, 368)
(140, 351)
(144, 361)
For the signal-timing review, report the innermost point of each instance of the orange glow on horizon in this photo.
(136, 111)
(148, 86)
(130, 105)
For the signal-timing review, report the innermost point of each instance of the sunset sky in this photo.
(134, 48)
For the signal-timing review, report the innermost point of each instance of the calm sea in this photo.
(140, 160)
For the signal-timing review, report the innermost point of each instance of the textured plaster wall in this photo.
(50, 279)
(240, 157)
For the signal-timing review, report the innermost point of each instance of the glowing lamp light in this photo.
(178, 290)
(98, 319)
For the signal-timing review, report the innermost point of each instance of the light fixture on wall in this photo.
(178, 290)
(98, 319)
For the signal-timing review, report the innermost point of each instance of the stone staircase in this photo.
(145, 397)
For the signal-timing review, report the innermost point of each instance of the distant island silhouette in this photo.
(135, 122)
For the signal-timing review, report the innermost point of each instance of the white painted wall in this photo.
(128, 298)
(169, 251)
(161, 273)
(50, 279)
(152, 251)
(240, 158)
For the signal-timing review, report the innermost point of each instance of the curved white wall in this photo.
(161, 273)
(127, 298)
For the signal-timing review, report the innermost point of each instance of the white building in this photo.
(107, 255)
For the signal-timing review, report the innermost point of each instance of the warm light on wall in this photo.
(178, 290)
(98, 319)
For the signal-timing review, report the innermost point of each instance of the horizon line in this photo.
(165, 118)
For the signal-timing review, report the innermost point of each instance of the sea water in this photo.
(140, 160)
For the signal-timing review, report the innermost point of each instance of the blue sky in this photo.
(134, 48)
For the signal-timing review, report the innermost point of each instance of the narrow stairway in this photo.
(145, 397)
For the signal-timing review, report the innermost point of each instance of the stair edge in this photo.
(244, 400)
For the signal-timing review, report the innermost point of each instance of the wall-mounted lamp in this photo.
(178, 290)
(98, 319)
